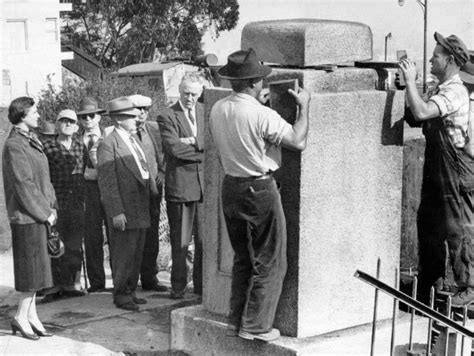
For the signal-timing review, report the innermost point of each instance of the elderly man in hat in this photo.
(89, 119)
(446, 208)
(125, 185)
(249, 137)
(182, 131)
(149, 135)
(65, 158)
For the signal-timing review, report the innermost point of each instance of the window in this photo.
(51, 30)
(17, 35)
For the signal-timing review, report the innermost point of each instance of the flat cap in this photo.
(140, 101)
(122, 106)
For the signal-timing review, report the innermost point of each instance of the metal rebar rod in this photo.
(374, 320)
(430, 323)
(464, 322)
(412, 317)
(448, 314)
(394, 314)
(409, 301)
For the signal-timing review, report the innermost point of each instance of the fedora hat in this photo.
(68, 114)
(89, 105)
(454, 46)
(467, 70)
(122, 106)
(47, 128)
(244, 64)
(140, 101)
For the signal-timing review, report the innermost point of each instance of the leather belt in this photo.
(251, 178)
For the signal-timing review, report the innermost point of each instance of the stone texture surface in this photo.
(342, 199)
(308, 42)
(196, 331)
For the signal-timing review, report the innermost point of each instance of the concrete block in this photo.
(308, 42)
(320, 81)
(342, 200)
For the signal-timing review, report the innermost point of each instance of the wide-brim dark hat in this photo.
(244, 64)
(47, 128)
(89, 105)
(455, 46)
(467, 70)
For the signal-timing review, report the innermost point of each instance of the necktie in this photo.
(91, 142)
(139, 154)
(191, 117)
(140, 131)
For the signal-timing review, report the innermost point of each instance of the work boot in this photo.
(462, 298)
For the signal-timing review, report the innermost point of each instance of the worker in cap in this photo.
(65, 157)
(126, 187)
(446, 211)
(149, 135)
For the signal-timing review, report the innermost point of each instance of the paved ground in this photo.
(90, 325)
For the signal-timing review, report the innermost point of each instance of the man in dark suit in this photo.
(149, 135)
(125, 188)
(181, 128)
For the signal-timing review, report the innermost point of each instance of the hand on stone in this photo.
(119, 222)
(301, 97)
(264, 96)
(188, 140)
(408, 69)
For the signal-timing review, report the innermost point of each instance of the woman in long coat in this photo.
(30, 202)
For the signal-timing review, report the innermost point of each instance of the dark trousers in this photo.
(70, 226)
(257, 230)
(94, 235)
(183, 219)
(149, 268)
(126, 251)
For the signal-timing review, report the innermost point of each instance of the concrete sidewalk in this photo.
(90, 325)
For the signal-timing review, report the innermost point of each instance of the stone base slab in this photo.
(308, 42)
(196, 331)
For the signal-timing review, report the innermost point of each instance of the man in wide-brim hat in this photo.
(89, 116)
(249, 137)
(447, 196)
(125, 187)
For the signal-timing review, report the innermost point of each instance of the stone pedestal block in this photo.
(308, 42)
(342, 200)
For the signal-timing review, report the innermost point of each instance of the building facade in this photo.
(30, 46)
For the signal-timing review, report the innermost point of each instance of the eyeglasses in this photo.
(65, 120)
(85, 116)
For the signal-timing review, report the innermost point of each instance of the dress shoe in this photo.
(41, 333)
(48, 298)
(139, 300)
(177, 295)
(155, 287)
(96, 289)
(74, 293)
(268, 336)
(129, 306)
(15, 325)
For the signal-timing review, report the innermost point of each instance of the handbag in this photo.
(54, 242)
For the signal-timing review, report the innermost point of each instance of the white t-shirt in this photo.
(247, 135)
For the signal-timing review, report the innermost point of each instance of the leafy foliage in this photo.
(123, 32)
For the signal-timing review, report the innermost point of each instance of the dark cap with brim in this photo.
(244, 64)
(467, 70)
(454, 46)
(89, 106)
(47, 128)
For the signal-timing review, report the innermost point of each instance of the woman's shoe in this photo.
(41, 333)
(15, 325)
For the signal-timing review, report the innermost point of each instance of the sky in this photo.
(405, 23)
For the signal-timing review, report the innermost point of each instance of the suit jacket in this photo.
(152, 145)
(184, 172)
(29, 194)
(122, 188)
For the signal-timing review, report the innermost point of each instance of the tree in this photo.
(123, 32)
